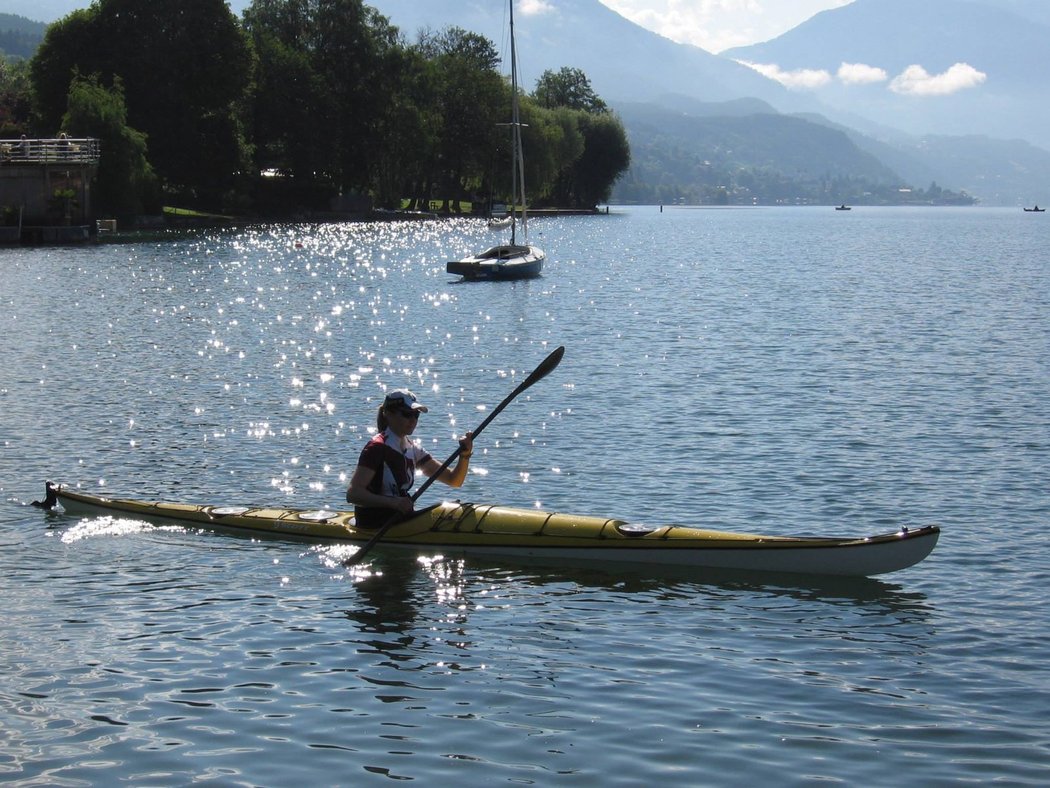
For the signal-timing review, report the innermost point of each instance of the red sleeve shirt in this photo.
(394, 462)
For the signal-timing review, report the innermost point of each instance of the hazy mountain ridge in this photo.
(1033, 10)
(710, 155)
(999, 89)
(21, 24)
(1001, 172)
(19, 36)
(894, 34)
(622, 60)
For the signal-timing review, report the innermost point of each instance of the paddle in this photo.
(544, 369)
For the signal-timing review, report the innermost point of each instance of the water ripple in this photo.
(774, 370)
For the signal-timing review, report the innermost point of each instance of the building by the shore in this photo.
(45, 190)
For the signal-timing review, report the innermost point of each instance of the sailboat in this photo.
(514, 260)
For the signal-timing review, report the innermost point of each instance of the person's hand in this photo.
(466, 445)
(403, 504)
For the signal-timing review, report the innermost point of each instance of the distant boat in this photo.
(843, 207)
(500, 222)
(514, 260)
(1036, 209)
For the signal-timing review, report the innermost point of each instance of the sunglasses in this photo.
(408, 413)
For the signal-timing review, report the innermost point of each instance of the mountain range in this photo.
(929, 67)
(982, 127)
(624, 62)
(930, 90)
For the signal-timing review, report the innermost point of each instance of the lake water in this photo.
(784, 370)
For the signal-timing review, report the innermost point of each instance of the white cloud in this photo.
(913, 81)
(916, 81)
(799, 79)
(860, 74)
(713, 25)
(534, 7)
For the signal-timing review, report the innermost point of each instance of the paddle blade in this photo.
(545, 368)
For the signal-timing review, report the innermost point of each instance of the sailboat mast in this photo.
(517, 156)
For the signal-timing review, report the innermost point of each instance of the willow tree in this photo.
(125, 185)
(15, 98)
(605, 154)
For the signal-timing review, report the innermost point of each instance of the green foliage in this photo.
(471, 99)
(287, 92)
(304, 100)
(327, 72)
(411, 130)
(61, 205)
(606, 154)
(351, 45)
(125, 184)
(553, 141)
(68, 46)
(184, 66)
(455, 43)
(597, 151)
(570, 88)
(15, 99)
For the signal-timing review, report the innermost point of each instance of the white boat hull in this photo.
(507, 261)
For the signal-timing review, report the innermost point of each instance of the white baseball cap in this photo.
(405, 399)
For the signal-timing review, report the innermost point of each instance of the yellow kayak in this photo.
(481, 529)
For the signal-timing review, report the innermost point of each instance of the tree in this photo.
(15, 98)
(185, 68)
(606, 156)
(471, 99)
(588, 177)
(285, 104)
(326, 68)
(69, 46)
(410, 128)
(552, 141)
(125, 184)
(352, 52)
(570, 88)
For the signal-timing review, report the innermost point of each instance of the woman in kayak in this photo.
(387, 466)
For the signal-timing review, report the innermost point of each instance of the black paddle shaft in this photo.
(545, 368)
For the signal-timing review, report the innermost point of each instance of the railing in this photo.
(50, 151)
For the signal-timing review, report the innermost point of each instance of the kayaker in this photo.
(387, 466)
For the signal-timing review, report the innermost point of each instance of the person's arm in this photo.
(453, 477)
(359, 494)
